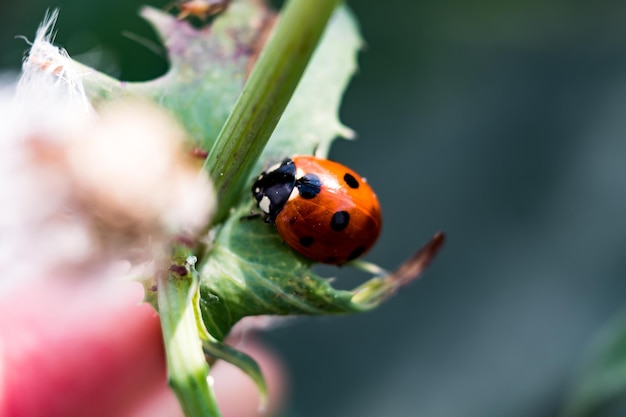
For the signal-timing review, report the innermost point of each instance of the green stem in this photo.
(187, 369)
(265, 96)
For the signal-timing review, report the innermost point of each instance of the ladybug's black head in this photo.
(273, 187)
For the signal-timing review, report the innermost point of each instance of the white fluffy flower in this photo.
(81, 188)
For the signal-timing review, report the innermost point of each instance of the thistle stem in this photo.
(265, 96)
(187, 369)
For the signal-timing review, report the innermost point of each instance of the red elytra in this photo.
(330, 214)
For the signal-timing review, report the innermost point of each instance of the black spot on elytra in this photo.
(350, 180)
(306, 241)
(309, 186)
(340, 221)
(331, 260)
(356, 253)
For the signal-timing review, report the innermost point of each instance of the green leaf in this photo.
(208, 68)
(600, 389)
(216, 349)
(250, 271)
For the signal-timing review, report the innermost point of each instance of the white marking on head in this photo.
(294, 194)
(264, 204)
(300, 173)
(257, 190)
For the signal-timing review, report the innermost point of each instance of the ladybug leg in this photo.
(255, 215)
(251, 216)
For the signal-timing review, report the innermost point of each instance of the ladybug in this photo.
(322, 209)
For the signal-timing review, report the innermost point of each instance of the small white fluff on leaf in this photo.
(81, 188)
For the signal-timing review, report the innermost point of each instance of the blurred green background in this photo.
(500, 122)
